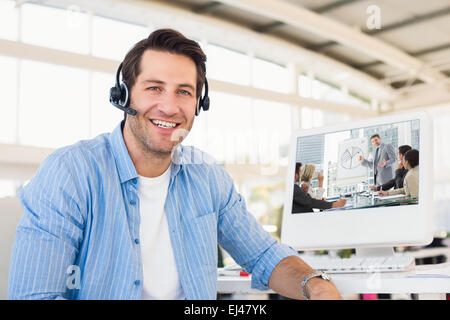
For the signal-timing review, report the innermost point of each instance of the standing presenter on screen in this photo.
(129, 215)
(383, 161)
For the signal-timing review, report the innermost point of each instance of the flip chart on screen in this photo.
(348, 165)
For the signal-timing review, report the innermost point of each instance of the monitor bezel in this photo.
(369, 227)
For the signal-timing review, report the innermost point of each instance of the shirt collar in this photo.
(125, 165)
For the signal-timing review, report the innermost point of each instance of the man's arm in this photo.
(394, 192)
(400, 175)
(251, 246)
(286, 279)
(365, 162)
(388, 185)
(48, 235)
(305, 200)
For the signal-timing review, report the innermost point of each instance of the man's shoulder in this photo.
(80, 152)
(299, 191)
(388, 146)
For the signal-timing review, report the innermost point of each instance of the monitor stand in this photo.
(407, 262)
(374, 252)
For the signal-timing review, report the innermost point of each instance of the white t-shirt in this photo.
(161, 279)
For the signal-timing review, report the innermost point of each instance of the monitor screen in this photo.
(361, 183)
(363, 167)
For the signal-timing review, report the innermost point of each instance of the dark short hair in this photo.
(298, 165)
(374, 136)
(412, 156)
(403, 149)
(166, 40)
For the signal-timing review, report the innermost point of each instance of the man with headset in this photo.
(133, 214)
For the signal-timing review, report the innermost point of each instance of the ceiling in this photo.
(414, 35)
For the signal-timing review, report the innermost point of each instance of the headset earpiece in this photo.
(119, 96)
(115, 94)
(203, 102)
(124, 97)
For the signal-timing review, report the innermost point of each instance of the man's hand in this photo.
(382, 163)
(400, 165)
(383, 193)
(339, 203)
(304, 187)
(361, 158)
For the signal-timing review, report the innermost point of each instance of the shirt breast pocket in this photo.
(201, 233)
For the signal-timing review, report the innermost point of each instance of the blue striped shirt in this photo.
(78, 237)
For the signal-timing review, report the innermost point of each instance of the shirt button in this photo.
(137, 282)
(136, 241)
(132, 202)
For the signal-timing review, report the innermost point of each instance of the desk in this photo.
(429, 281)
(430, 252)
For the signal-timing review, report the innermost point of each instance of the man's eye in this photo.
(184, 92)
(154, 88)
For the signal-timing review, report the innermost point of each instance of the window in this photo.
(317, 118)
(229, 127)
(312, 118)
(198, 136)
(112, 39)
(270, 76)
(441, 131)
(312, 88)
(304, 86)
(53, 104)
(8, 188)
(9, 20)
(272, 127)
(331, 118)
(306, 116)
(227, 65)
(66, 30)
(8, 103)
(104, 116)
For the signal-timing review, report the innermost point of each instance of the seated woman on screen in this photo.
(307, 175)
(411, 182)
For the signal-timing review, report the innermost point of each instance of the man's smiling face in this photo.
(164, 96)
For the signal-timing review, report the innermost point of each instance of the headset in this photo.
(119, 96)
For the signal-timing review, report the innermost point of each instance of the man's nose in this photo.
(169, 104)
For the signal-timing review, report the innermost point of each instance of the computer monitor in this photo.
(368, 220)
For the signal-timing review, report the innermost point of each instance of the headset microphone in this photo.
(119, 95)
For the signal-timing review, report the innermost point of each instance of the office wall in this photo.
(10, 213)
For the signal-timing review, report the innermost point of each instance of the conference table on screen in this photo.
(360, 200)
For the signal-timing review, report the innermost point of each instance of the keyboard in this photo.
(359, 265)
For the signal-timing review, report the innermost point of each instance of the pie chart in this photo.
(350, 158)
